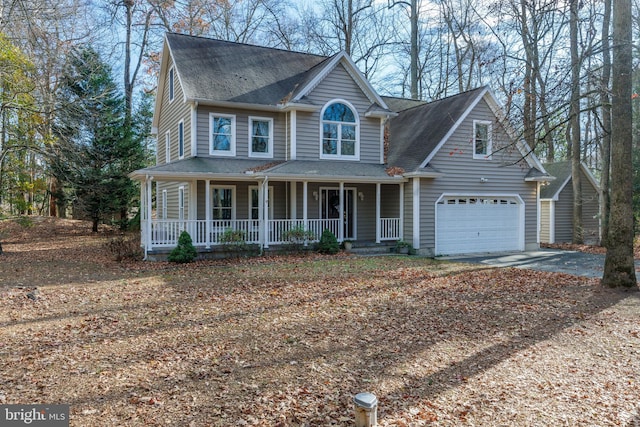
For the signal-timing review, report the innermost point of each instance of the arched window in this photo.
(339, 131)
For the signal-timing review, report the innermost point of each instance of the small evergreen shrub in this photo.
(185, 251)
(328, 243)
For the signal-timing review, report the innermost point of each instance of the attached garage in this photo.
(479, 223)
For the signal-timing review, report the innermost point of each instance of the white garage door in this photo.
(478, 224)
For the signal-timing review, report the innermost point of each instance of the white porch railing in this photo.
(165, 232)
(390, 229)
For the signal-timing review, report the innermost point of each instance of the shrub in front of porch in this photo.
(328, 243)
(185, 251)
(297, 237)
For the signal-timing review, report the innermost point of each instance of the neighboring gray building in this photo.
(263, 141)
(557, 205)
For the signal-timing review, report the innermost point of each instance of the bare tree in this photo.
(619, 268)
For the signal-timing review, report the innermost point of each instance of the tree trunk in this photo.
(605, 101)
(619, 269)
(414, 50)
(574, 122)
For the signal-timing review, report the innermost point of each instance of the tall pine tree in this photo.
(97, 149)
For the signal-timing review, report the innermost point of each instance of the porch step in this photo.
(372, 248)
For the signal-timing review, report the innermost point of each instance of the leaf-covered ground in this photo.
(288, 341)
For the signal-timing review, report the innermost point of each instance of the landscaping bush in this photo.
(185, 251)
(233, 239)
(125, 247)
(328, 243)
(297, 236)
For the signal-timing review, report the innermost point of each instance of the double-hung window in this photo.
(260, 137)
(482, 139)
(222, 203)
(181, 203)
(222, 138)
(254, 202)
(340, 132)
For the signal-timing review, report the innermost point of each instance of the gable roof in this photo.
(562, 172)
(418, 133)
(218, 72)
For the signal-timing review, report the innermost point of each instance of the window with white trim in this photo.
(340, 131)
(260, 137)
(181, 203)
(181, 139)
(222, 136)
(223, 202)
(482, 139)
(167, 147)
(171, 84)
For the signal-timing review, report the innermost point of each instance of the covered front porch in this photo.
(270, 209)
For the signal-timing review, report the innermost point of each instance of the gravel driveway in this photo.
(553, 260)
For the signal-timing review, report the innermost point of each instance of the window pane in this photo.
(482, 138)
(260, 145)
(260, 128)
(221, 143)
(330, 139)
(348, 148)
(348, 133)
(339, 112)
(222, 125)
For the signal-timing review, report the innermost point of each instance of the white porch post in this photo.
(401, 211)
(264, 189)
(193, 211)
(305, 207)
(149, 213)
(341, 214)
(207, 214)
(294, 200)
(416, 213)
(378, 231)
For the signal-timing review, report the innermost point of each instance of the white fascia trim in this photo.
(454, 128)
(590, 177)
(556, 196)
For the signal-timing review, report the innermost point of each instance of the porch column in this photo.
(294, 200)
(341, 214)
(192, 223)
(264, 189)
(401, 193)
(416, 213)
(149, 213)
(305, 207)
(378, 231)
(207, 212)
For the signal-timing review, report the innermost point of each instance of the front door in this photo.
(330, 208)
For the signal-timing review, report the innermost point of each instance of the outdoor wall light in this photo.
(361, 196)
(315, 195)
(483, 179)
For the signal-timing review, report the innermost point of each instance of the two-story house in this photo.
(262, 141)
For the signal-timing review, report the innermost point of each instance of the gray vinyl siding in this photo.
(590, 213)
(171, 112)
(242, 130)
(545, 212)
(564, 215)
(338, 85)
(462, 175)
(172, 199)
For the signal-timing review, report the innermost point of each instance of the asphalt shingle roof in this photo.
(216, 70)
(562, 171)
(416, 131)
